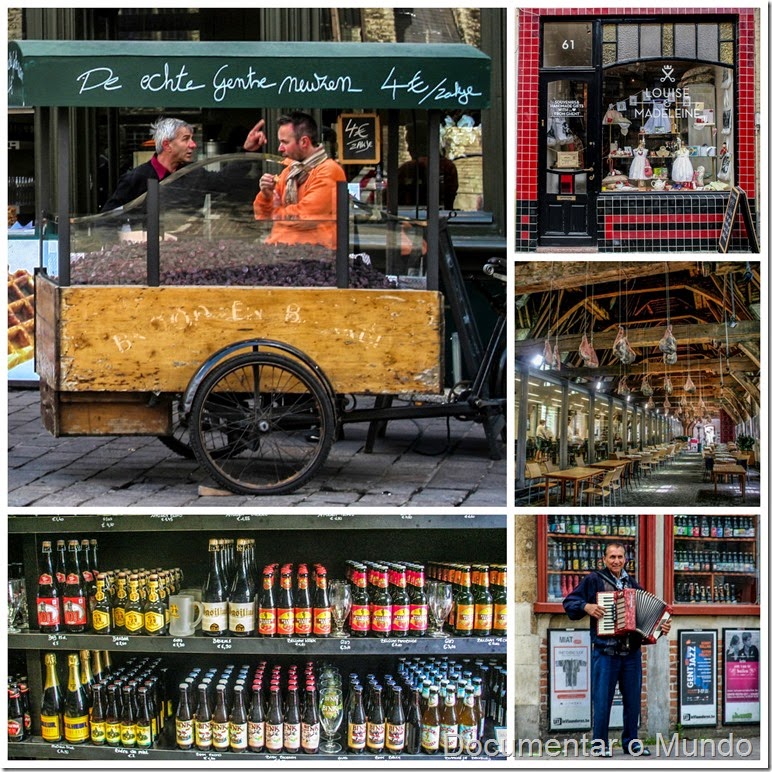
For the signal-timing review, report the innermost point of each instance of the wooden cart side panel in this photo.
(46, 314)
(154, 338)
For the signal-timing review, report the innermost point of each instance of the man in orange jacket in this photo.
(301, 201)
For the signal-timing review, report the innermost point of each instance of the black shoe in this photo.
(635, 748)
(604, 754)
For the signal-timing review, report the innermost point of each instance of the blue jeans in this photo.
(607, 670)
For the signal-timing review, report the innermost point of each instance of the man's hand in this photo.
(256, 138)
(268, 185)
(666, 627)
(593, 610)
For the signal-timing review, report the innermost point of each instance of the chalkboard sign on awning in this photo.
(359, 138)
(256, 75)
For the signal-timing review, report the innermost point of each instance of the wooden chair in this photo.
(603, 488)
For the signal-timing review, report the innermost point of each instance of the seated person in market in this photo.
(302, 200)
(174, 147)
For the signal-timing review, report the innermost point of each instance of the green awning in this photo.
(86, 73)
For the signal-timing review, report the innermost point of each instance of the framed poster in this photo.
(741, 675)
(697, 702)
(569, 679)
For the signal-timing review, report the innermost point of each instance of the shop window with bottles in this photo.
(668, 95)
(715, 559)
(575, 545)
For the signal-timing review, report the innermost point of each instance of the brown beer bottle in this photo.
(143, 724)
(112, 718)
(49, 602)
(285, 607)
(98, 711)
(154, 610)
(183, 720)
(464, 605)
(119, 604)
(220, 727)
(356, 733)
(430, 723)
(241, 601)
(322, 617)
(202, 724)
(102, 613)
(359, 618)
(75, 598)
(214, 596)
(400, 604)
(500, 602)
(376, 722)
(303, 607)
(310, 724)
(449, 722)
(396, 723)
(419, 604)
(134, 618)
(267, 606)
(237, 721)
(483, 604)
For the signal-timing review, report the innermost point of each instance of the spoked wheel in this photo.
(179, 440)
(261, 423)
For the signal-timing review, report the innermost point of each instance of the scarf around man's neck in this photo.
(299, 171)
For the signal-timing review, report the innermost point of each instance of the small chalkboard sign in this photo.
(359, 138)
(737, 198)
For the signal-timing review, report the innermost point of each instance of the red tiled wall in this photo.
(528, 88)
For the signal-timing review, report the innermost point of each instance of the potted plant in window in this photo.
(746, 443)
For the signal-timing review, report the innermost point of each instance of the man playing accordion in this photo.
(615, 659)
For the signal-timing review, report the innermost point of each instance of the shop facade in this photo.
(705, 567)
(632, 130)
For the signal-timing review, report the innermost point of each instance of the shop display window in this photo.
(715, 563)
(669, 102)
(571, 546)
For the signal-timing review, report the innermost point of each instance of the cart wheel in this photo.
(261, 423)
(179, 440)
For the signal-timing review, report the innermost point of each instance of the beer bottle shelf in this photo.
(182, 540)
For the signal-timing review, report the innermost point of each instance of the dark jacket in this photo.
(587, 592)
(131, 185)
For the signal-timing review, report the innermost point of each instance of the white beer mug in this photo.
(182, 622)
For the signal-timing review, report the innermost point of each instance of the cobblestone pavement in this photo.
(417, 464)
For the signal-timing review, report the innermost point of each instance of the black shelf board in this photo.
(200, 644)
(36, 748)
(77, 523)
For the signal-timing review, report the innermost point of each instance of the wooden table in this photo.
(563, 476)
(730, 470)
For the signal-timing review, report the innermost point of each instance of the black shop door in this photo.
(569, 167)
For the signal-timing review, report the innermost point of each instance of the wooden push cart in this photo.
(255, 381)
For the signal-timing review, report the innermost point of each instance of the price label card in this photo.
(222, 643)
(178, 643)
(57, 639)
(121, 640)
(449, 644)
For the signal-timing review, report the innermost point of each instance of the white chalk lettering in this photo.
(222, 84)
(181, 82)
(294, 85)
(438, 92)
(99, 77)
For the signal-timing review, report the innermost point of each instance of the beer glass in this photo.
(331, 716)
(340, 600)
(440, 598)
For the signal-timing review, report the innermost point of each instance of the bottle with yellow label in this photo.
(119, 603)
(52, 705)
(128, 719)
(98, 710)
(134, 619)
(154, 611)
(76, 727)
(112, 718)
(102, 613)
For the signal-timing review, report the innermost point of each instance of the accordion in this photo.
(627, 611)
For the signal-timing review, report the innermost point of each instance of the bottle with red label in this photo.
(285, 607)
(322, 614)
(49, 602)
(380, 604)
(419, 603)
(266, 622)
(400, 603)
(483, 603)
(303, 606)
(16, 729)
(88, 572)
(359, 618)
(75, 599)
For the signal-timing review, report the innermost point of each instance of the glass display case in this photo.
(715, 563)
